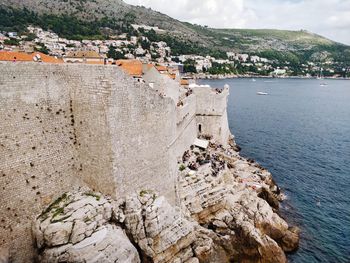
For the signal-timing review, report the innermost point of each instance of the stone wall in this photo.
(162, 83)
(123, 132)
(65, 126)
(186, 130)
(211, 111)
(38, 158)
(70, 126)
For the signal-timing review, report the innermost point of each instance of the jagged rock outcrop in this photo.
(223, 196)
(161, 232)
(77, 228)
(227, 213)
(107, 244)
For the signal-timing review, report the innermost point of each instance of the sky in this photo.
(330, 18)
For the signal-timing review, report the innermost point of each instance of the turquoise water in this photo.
(301, 133)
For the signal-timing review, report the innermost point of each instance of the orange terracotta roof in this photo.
(172, 76)
(161, 68)
(184, 82)
(101, 62)
(15, 56)
(48, 59)
(22, 56)
(95, 62)
(133, 67)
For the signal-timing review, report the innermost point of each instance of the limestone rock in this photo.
(290, 242)
(77, 227)
(227, 213)
(232, 198)
(160, 231)
(71, 218)
(269, 197)
(107, 244)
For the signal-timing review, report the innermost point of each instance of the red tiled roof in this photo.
(161, 68)
(133, 67)
(48, 59)
(22, 56)
(172, 76)
(184, 82)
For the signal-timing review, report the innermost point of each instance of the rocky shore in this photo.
(227, 211)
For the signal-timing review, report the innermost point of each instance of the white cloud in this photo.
(330, 18)
(215, 13)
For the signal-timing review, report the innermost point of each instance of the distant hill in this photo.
(294, 46)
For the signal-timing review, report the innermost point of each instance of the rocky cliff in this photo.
(227, 211)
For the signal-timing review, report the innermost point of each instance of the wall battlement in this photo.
(70, 126)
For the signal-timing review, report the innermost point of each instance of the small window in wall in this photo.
(200, 128)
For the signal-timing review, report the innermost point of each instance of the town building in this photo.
(84, 57)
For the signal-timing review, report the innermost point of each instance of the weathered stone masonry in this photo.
(211, 113)
(70, 126)
(38, 157)
(65, 126)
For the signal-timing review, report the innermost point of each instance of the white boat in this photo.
(253, 80)
(262, 93)
(320, 76)
(323, 84)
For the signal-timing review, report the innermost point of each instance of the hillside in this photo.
(90, 15)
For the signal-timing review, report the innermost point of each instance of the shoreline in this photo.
(228, 211)
(234, 76)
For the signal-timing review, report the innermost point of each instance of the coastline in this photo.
(233, 76)
(228, 212)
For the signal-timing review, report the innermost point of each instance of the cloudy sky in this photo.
(330, 18)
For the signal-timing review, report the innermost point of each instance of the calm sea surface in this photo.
(301, 133)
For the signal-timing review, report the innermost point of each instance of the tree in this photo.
(129, 18)
(30, 37)
(42, 49)
(189, 66)
(11, 42)
(113, 53)
(154, 55)
(175, 59)
(145, 44)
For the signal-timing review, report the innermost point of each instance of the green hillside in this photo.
(78, 19)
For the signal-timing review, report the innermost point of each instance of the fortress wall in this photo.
(216, 126)
(123, 129)
(186, 127)
(91, 97)
(36, 148)
(65, 126)
(163, 84)
(212, 113)
(210, 103)
(143, 124)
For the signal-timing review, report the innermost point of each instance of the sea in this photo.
(300, 132)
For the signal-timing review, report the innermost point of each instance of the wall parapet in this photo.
(210, 102)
